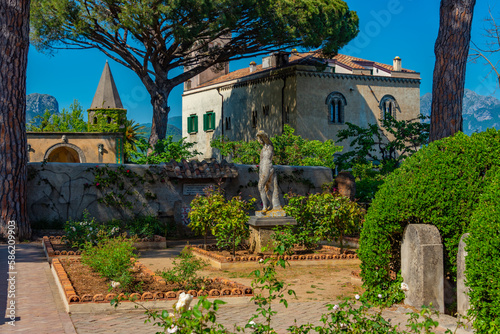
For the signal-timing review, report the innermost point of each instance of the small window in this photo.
(287, 115)
(336, 103)
(388, 107)
(95, 120)
(265, 110)
(192, 124)
(254, 119)
(209, 121)
(228, 123)
(109, 120)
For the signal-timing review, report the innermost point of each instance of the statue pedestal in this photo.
(262, 225)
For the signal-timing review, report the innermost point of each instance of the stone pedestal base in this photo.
(261, 229)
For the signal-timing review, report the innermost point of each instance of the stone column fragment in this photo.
(422, 266)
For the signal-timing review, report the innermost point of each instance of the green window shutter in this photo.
(189, 125)
(212, 121)
(205, 122)
(195, 123)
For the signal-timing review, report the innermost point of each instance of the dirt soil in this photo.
(86, 281)
(244, 251)
(328, 282)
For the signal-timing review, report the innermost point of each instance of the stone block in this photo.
(422, 266)
(346, 184)
(261, 231)
(463, 303)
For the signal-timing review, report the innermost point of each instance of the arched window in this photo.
(388, 107)
(336, 103)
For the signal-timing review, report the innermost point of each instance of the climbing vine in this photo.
(107, 120)
(117, 186)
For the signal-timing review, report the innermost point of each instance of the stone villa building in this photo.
(314, 95)
(102, 144)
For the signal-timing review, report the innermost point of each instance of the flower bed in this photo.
(54, 246)
(243, 259)
(85, 291)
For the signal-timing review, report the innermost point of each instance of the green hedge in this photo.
(483, 260)
(441, 185)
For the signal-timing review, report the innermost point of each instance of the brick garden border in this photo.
(158, 242)
(237, 294)
(240, 262)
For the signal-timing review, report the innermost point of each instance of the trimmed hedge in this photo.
(440, 185)
(483, 260)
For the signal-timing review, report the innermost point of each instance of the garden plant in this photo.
(111, 258)
(185, 271)
(324, 216)
(441, 185)
(225, 219)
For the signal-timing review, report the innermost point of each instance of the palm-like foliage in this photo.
(133, 132)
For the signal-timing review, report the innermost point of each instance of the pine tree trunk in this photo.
(14, 29)
(159, 100)
(451, 50)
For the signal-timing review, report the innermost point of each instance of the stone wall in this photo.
(60, 191)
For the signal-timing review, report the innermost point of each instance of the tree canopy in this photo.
(67, 121)
(153, 37)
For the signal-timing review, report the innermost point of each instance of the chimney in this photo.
(253, 66)
(280, 59)
(396, 64)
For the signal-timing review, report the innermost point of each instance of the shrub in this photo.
(483, 260)
(368, 180)
(111, 258)
(225, 219)
(372, 143)
(324, 216)
(89, 230)
(144, 226)
(163, 151)
(438, 185)
(185, 272)
(289, 149)
(231, 228)
(204, 211)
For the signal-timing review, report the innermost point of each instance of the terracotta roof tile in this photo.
(302, 58)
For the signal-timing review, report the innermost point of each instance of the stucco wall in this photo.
(60, 191)
(362, 95)
(305, 94)
(87, 142)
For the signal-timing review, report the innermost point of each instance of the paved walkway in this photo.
(39, 308)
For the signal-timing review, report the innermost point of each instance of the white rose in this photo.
(357, 297)
(115, 284)
(379, 296)
(336, 307)
(184, 301)
(404, 286)
(172, 329)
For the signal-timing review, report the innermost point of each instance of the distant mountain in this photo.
(172, 129)
(36, 104)
(176, 121)
(479, 112)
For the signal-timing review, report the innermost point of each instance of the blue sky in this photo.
(388, 28)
